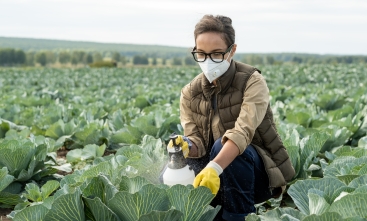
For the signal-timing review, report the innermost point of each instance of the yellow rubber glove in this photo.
(209, 177)
(183, 142)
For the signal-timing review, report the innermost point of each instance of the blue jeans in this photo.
(242, 184)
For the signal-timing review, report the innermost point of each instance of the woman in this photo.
(230, 138)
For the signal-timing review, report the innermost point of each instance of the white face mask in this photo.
(214, 70)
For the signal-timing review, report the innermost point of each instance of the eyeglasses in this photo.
(216, 57)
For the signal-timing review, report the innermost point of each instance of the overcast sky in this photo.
(307, 26)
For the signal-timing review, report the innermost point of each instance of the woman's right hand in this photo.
(193, 151)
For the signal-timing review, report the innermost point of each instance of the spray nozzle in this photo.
(177, 160)
(173, 137)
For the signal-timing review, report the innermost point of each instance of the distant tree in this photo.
(82, 57)
(246, 59)
(297, 59)
(7, 56)
(362, 59)
(256, 59)
(41, 58)
(123, 60)
(189, 60)
(269, 59)
(78, 57)
(140, 59)
(97, 57)
(64, 57)
(19, 57)
(164, 61)
(3, 57)
(88, 58)
(116, 56)
(177, 61)
(10, 56)
(50, 57)
(252, 59)
(154, 61)
(74, 59)
(30, 58)
(312, 60)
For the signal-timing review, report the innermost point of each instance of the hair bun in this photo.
(224, 19)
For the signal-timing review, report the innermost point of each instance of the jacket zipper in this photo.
(216, 101)
(210, 118)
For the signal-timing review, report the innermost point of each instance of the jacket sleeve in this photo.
(188, 124)
(253, 109)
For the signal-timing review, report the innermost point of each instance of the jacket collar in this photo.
(223, 82)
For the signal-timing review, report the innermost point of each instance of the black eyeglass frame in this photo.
(193, 52)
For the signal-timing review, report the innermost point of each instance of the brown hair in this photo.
(220, 24)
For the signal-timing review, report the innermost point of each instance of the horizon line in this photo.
(172, 46)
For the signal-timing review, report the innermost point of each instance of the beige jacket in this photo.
(253, 109)
(242, 114)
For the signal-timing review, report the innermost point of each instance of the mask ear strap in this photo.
(229, 53)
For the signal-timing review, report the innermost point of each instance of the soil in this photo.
(3, 213)
(61, 153)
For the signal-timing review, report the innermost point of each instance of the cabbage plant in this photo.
(303, 152)
(135, 199)
(25, 161)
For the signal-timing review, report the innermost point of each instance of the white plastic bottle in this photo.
(182, 176)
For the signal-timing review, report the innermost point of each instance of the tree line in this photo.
(18, 57)
(10, 56)
(264, 59)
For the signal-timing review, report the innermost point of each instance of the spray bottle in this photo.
(177, 172)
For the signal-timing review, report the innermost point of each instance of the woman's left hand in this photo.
(209, 177)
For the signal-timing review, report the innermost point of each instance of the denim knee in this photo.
(242, 183)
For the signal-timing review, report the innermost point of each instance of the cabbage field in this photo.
(89, 144)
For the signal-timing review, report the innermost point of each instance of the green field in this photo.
(92, 142)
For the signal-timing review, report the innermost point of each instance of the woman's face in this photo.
(210, 42)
